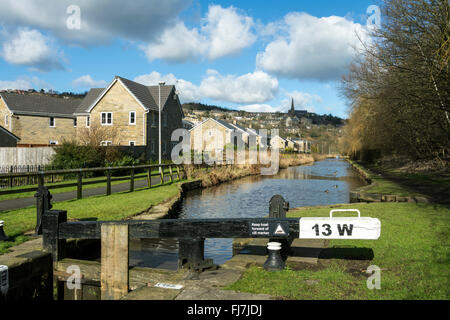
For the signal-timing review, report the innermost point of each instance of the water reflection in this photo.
(325, 182)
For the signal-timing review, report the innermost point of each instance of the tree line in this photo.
(398, 85)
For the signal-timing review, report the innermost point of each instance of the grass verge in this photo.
(74, 188)
(412, 252)
(114, 207)
(381, 185)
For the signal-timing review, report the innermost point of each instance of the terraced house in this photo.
(129, 109)
(38, 119)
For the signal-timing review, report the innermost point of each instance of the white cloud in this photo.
(187, 91)
(259, 108)
(302, 100)
(257, 87)
(307, 47)
(31, 48)
(86, 81)
(24, 83)
(228, 31)
(101, 20)
(177, 44)
(224, 32)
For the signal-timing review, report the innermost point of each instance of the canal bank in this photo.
(380, 189)
(25, 256)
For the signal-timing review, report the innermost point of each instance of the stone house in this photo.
(129, 109)
(278, 142)
(214, 135)
(132, 111)
(38, 119)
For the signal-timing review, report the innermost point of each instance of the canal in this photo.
(322, 183)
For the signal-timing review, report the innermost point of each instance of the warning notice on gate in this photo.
(268, 229)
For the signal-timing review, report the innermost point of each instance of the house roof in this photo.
(225, 124)
(9, 133)
(40, 105)
(220, 122)
(147, 96)
(89, 99)
(239, 127)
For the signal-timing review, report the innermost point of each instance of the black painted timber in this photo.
(177, 228)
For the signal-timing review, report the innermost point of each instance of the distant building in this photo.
(278, 142)
(297, 113)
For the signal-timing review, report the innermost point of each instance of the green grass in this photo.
(68, 189)
(381, 185)
(114, 207)
(412, 252)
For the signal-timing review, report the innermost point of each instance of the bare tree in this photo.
(398, 86)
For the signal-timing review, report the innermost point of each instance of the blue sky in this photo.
(247, 55)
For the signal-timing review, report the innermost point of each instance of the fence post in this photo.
(149, 177)
(132, 180)
(40, 179)
(108, 181)
(28, 171)
(171, 173)
(178, 172)
(43, 204)
(161, 172)
(114, 261)
(50, 237)
(11, 178)
(80, 185)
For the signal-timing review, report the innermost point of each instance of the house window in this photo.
(88, 121)
(74, 123)
(106, 143)
(53, 142)
(6, 121)
(131, 143)
(107, 118)
(132, 120)
(52, 122)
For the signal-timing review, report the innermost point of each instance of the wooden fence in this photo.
(48, 176)
(22, 181)
(26, 156)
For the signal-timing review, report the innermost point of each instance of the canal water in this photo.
(322, 183)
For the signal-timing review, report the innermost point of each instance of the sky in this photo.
(245, 55)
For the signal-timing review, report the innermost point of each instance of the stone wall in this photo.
(30, 273)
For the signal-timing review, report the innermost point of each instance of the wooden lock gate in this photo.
(191, 233)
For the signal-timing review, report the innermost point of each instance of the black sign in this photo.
(266, 229)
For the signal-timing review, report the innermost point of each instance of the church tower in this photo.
(292, 111)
